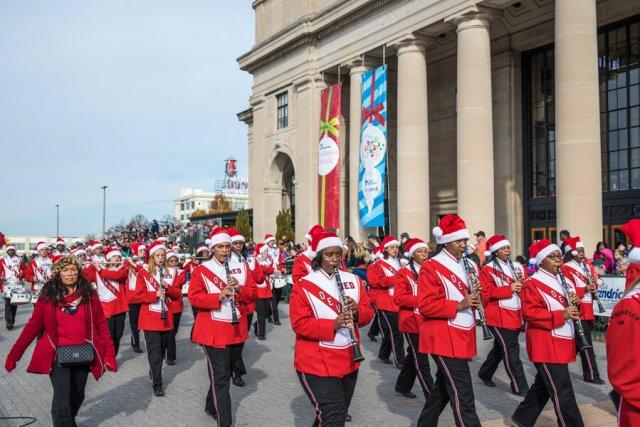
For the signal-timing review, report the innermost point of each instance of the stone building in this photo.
(521, 116)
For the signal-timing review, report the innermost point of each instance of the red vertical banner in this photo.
(329, 158)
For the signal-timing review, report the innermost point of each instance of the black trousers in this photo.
(415, 365)
(330, 396)
(505, 349)
(68, 393)
(156, 348)
(238, 368)
(275, 299)
(374, 329)
(171, 345)
(10, 311)
(116, 328)
(134, 314)
(392, 340)
(588, 356)
(219, 363)
(552, 382)
(453, 385)
(263, 307)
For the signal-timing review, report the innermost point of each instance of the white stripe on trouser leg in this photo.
(506, 361)
(555, 398)
(313, 398)
(379, 323)
(586, 355)
(214, 397)
(455, 391)
(415, 361)
(391, 337)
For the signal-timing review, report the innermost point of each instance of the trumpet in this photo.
(594, 294)
(357, 354)
(232, 298)
(472, 277)
(568, 291)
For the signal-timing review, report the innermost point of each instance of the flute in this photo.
(357, 354)
(163, 303)
(582, 338)
(232, 298)
(473, 288)
(594, 294)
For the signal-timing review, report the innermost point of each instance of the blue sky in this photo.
(138, 95)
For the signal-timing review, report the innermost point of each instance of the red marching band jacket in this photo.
(381, 276)
(39, 271)
(12, 269)
(111, 285)
(502, 306)
(180, 275)
(406, 298)
(213, 326)
(445, 331)
(549, 336)
(132, 281)
(267, 265)
(146, 288)
(577, 275)
(623, 340)
(301, 266)
(257, 271)
(314, 304)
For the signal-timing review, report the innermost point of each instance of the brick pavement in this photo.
(272, 395)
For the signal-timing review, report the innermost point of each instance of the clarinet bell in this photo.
(357, 354)
(600, 307)
(486, 332)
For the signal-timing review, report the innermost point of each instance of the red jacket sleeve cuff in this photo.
(451, 308)
(558, 318)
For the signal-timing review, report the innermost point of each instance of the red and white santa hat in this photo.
(268, 237)
(111, 251)
(377, 252)
(236, 236)
(77, 251)
(95, 244)
(413, 245)
(496, 242)
(170, 254)
(136, 247)
(540, 250)
(161, 239)
(450, 228)
(41, 245)
(60, 241)
(389, 241)
(313, 230)
(632, 230)
(201, 248)
(572, 243)
(10, 246)
(156, 246)
(218, 236)
(323, 240)
(260, 248)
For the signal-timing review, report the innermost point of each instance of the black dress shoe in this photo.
(9, 327)
(520, 393)
(348, 418)
(386, 361)
(516, 421)
(211, 413)
(158, 391)
(487, 382)
(171, 362)
(372, 338)
(277, 322)
(260, 337)
(408, 394)
(269, 319)
(238, 381)
(598, 381)
(137, 349)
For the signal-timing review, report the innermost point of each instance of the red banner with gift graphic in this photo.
(329, 158)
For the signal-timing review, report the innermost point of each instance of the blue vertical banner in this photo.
(372, 174)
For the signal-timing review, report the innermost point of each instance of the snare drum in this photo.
(8, 287)
(279, 282)
(36, 292)
(185, 289)
(20, 296)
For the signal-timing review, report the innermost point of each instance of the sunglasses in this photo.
(69, 310)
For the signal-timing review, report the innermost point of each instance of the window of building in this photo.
(193, 205)
(283, 110)
(181, 206)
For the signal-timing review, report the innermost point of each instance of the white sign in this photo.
(328, 155)
(610, 292)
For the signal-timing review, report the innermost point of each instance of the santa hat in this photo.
(95, 244)
(161, 239)
(572, 243)
(540, 250)
(41, 245)
(413, 245)
(175, 248)
(494, 243)
(260, 248)
(136, 246)
(155, 246)
(268, 238)
(77, 251)
(313, 230)
(389, 241)
(201, 248)
(236, 236)
(323, 240)
(450, 228)
(377, 252)
(632, 230)
(170, 254)
(10, 246)
(218, 236)
(60, 241)
(111, 252)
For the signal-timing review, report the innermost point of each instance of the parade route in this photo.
(272, 395)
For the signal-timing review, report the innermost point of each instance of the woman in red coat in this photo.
(68, 312)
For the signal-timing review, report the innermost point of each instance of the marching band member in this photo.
(61, 247)
(409, 320)
(110, 282)
(550, 339)
(501, 286)
(448, 329)
(12, 271)
(263, 300)
(215, 287)
(374, 329)
(381, 278)
(139, 251)
(202, 252)
(39, 271)
(302, 263)
(326, 332)
(156, 292)
(176, 306)
(274, 253)
(98, 253)
(580, 272)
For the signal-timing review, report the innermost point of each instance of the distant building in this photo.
(27, 244)
(189, 201)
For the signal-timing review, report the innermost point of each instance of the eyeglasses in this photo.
(329, 255)
(554, 256)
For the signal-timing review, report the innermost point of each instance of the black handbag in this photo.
(72, 355)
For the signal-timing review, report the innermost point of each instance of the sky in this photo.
(140, 96)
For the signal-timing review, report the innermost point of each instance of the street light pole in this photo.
(57, 221)
(104, 208)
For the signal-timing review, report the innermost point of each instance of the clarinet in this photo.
(163, 303)
(568, 291)
(473, 288)
(357, 354)
(232, 298)
(515, 272)
(594, 294)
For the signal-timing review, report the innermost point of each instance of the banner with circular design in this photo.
(329, 158)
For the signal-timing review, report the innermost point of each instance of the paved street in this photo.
(272, 395)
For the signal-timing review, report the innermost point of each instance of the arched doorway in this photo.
(283, 176)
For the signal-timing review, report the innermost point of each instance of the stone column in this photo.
(413, 141)
(474, 123)
(578, 165)
(357, 68)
